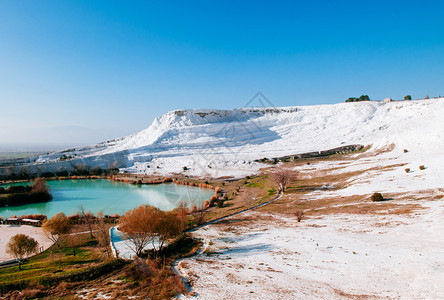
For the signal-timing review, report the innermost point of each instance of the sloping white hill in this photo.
(226, 142)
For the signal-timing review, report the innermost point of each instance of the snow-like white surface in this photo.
(278, 258)
(385, 172)
(226, 142)
(8, 231)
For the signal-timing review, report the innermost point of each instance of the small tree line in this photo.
(367, 98)
(24, 172)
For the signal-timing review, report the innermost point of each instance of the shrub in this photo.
(407, 97)
(405, 150)
(377, 197)
(220, 203)
(185, 168)
(299, 214)
(213, 199)
(421, 167)
(407, 170)
(206, 204)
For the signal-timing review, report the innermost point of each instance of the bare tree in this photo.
(57, 226)
(198, 212)
(88, 218)
(21, 246)
(102, 232)
(282, 177)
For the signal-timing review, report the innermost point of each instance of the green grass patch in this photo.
(255, 184)
(52, 262)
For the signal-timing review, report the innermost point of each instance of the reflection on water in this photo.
(109, 196)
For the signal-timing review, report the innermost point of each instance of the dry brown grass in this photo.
(357, 204)
(353, 296)
(296, 198)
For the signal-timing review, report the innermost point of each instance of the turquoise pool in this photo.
(109, 196)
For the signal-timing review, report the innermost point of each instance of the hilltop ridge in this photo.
(226, 142)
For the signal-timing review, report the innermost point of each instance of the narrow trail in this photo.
(176, 266)
(236, 213)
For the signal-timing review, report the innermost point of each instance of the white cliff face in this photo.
(226, 142)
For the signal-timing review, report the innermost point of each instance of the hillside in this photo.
(226, 142)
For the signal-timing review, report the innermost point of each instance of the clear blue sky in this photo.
(75, 72)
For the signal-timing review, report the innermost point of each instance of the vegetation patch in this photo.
(55, 262)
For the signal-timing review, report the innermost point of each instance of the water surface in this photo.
(108, 196)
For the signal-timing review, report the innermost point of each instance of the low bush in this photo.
(299, 215)
(32, 293)
(405, 150)
(154, 280)
(220, 203)
(206, 204)
(213, 200)
(421, 167)
(182, 246)
(407, 170)
(377, 197)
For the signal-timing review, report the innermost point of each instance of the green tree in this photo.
(408, 97)
(364, 98)
(21, 246)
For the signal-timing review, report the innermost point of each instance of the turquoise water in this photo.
(108, 196)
